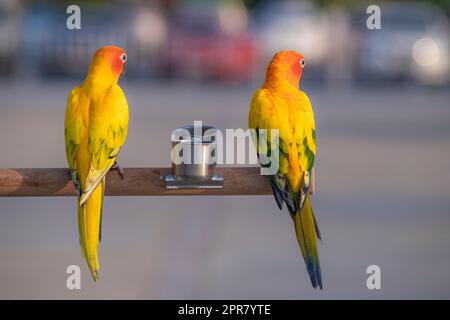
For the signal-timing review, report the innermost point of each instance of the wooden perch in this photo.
(138, 182)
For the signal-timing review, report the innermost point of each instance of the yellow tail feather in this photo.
(89, 218)
(305, 230)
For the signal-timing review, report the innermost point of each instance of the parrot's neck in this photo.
(101, 75)
(279, 77)
(99, 83)
(279, 82)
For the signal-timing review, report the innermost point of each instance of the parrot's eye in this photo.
(302, 63)
(123, 57)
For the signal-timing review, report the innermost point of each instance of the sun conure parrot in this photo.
(96, 127)
(279, 104)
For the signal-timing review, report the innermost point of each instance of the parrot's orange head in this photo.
(109, 62)
(285, 66)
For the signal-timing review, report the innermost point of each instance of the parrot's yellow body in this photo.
(279, 104)
(96, 127)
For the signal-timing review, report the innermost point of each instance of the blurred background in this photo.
(381, 101)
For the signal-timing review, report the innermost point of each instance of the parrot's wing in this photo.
(306, 145)
(73, 132)
(264, 115)
(108, 130)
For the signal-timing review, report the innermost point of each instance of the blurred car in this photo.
(52, 49)
(10, 24)
(293, 25)
(211, 41)
(413, 42)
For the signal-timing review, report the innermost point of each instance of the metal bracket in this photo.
(198, 142)
(216, 182)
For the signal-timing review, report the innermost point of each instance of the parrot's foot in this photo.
(71, 175)
(119, 170)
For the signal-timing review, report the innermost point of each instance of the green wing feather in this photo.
(73, 132)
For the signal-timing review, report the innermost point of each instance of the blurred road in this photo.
(382, 198)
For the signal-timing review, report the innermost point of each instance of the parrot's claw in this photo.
(119, 170)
